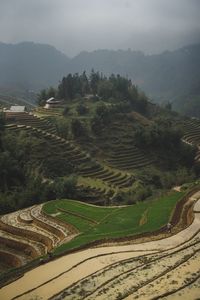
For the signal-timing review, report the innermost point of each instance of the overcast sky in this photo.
(73, 26)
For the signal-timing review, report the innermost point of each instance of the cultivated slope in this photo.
(152, 270)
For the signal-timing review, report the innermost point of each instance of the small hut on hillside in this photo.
(15, 112)
(52, 103)
(18, 108)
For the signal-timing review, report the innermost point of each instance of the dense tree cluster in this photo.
(98, 86)
(165, 142)
(78, 129)
(28, 175)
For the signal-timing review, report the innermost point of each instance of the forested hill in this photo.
(164, 77)
(169, 76)
(105, 143)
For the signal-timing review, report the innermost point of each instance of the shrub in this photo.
(62, 127)
(66, 111)
(77, 128)
(142, 193)
(65, 187)
(82, 109)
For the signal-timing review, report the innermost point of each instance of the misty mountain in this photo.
(169, 76)
(163, 76)
(31, 66)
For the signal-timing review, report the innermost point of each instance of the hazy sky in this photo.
(76, 25)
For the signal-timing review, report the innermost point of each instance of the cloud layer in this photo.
(76, 25)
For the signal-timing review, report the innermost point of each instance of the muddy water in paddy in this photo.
(109, 255)
(46, 272)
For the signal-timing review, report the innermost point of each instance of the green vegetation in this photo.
(28, 174)
(162, 76)
(96, 87)
(92, 212)
(97, 223)
(107, 144)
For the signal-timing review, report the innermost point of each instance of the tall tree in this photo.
(94, 79)
(42, 97)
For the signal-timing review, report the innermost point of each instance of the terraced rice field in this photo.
(28, 233)
(129, 158)
(32, 232)
(192, 131)
(153, 270)
(97, 223)
(118, 146)
(192, 134)
(33, 121)
(168, 268)
(84, 165)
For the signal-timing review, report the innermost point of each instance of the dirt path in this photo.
(52, 278)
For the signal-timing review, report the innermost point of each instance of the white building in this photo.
(52, 103)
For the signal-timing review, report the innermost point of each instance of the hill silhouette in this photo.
(172, 76)
(31, 66)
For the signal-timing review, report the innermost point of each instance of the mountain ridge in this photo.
(164, 77)
(29, 64)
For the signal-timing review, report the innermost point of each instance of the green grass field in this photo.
(95, 223)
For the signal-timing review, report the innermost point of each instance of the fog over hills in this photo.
(31, 66)
(167, 75)
(164, 77)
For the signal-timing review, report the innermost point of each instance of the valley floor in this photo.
(162, 269)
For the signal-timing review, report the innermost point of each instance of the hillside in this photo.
(99, 151)
(172, 76)
(97, 169)
(164, 76)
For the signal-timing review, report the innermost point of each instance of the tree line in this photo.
(113, 88)
(164, 141)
